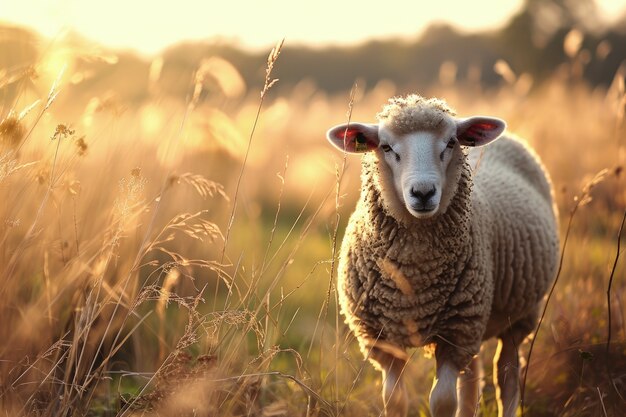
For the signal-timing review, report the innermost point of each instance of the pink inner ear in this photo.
(479, 129)
(350, 134)
(356, 140)
(484, 126)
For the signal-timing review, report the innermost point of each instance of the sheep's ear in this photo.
(479, 130)
(354, 137)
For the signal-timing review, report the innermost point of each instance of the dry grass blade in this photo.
(579, 201)
(280, 198)
(9, 165)
(279, 275)
(52, 95)
(32, 231)
(198, 229)
(602, 402)
(203, 186)
(28, 109)
(339, 172)
(608, 294)
(292, 228)
(271, 60)
(194, 226)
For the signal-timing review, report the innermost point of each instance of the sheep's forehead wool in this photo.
(413, 112)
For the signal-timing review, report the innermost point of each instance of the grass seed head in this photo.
(12, 130)
(81, 146)
(62, 131)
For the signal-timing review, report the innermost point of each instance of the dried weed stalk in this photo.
(269, 82)
(579, 201)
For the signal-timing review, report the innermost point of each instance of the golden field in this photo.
(168, 255)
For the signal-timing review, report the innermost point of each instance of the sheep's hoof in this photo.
(447, 409)
(398, 404)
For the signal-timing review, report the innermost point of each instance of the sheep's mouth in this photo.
(419, 210)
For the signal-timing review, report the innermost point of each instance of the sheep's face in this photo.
(418, 168)
(416, 164)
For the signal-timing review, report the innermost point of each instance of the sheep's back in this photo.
(513, 198)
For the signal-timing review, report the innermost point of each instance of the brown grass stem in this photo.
(579, 201)
(602, 402)
(339, 173)
(269, 82)
(274, 225)
(30, 234)
(75, 225)
(305, 229)
(608, 294)
(140, 255)
(545, 307)
(52, 95)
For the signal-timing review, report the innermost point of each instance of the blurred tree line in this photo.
(531, 42)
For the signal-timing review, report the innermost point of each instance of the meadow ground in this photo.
(170, 257)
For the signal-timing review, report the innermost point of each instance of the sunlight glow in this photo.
(148, 26)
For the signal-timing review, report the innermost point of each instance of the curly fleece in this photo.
(472, 272)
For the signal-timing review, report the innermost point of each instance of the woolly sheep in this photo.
(439, 255)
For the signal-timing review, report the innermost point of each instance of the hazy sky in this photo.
(150, 25)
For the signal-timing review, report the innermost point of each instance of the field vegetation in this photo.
(166, 254)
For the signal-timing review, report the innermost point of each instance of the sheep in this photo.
(448, 246)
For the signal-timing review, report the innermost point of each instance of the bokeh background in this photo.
(170, 216)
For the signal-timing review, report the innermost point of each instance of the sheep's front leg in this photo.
(443, 400)
(469, 388)
(450, 360)
(506, 377)
(395, 398)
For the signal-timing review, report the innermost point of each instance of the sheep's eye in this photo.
(450, 145)
(387, 148)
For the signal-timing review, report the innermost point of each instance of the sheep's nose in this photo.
(422, 196)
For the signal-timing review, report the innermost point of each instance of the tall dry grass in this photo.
(176, 257)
